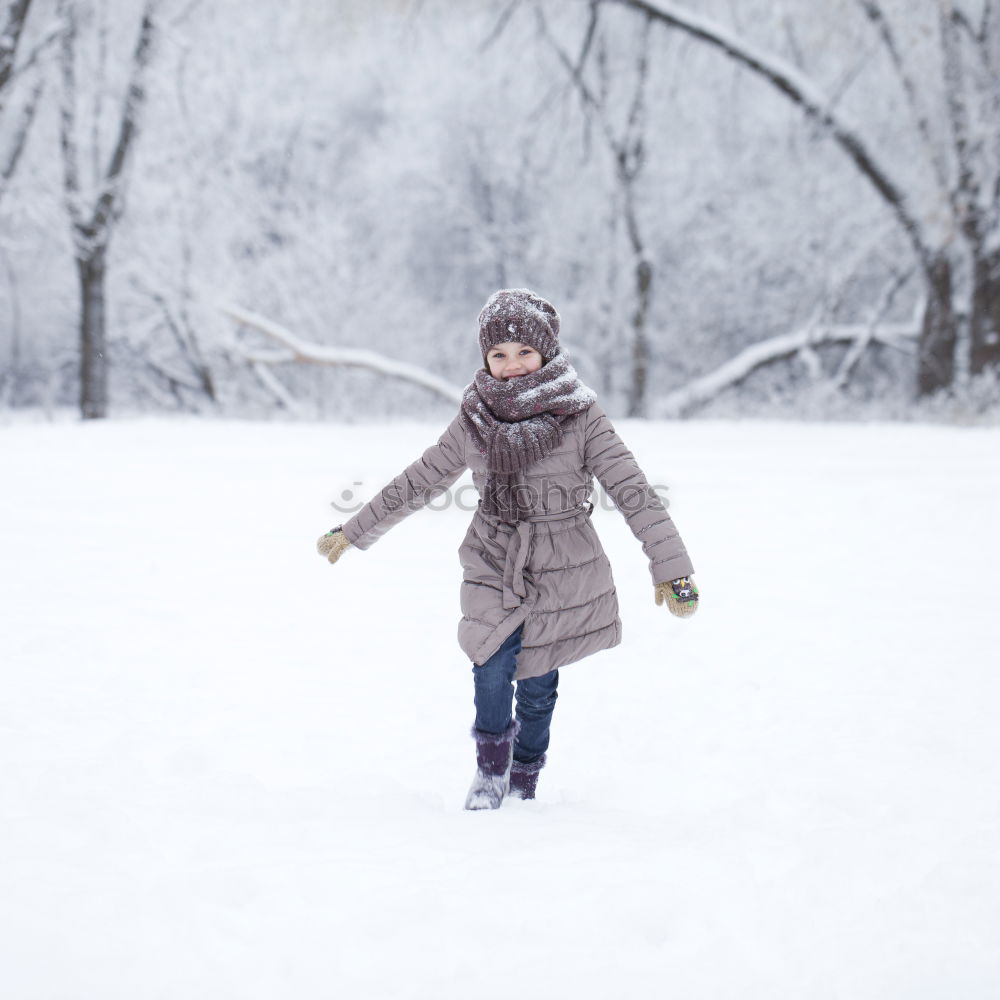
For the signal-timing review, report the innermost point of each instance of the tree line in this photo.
(742, 201)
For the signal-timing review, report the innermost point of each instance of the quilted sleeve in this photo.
(616, 469)
(436, 469)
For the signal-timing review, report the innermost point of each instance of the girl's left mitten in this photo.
(681, 596)
(333, 544)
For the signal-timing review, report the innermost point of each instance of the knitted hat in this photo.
(517, 314)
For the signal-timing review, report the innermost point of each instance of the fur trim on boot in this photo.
(493, 759)
(524, 778)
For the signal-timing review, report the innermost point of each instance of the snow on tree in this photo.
(954, 230)
(94, 177)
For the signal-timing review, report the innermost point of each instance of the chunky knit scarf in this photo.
(515, 423)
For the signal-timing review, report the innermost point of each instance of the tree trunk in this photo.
(985, 351)
(938, 332)
(92, 232)
(640, 340)
(93, 360)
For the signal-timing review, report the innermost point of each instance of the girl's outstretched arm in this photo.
(436, 469)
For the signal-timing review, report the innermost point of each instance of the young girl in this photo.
(537, 591)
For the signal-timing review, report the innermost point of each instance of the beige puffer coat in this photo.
(550, 571)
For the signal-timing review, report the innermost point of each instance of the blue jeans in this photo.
(536, 699)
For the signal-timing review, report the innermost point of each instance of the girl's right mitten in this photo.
(332, 544)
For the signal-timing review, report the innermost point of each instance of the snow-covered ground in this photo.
(230, 770)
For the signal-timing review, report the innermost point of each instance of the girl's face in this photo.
(512, 359)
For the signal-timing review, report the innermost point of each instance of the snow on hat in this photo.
(517, 314)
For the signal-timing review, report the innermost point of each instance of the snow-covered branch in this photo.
(274, 385)
(10, 36)
(297, 349)
(965, 203)
(873, 11)
(802, 92)
(109, 200)
(67, 118)
(92, 224)
(765, 352)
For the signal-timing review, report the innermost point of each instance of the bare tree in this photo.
(94, 214)
(959, 257)
(293, 348)
(12, 29)
(626, 146)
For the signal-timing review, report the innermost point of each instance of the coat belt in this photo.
(518, 547)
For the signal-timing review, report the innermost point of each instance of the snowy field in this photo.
(230, 770)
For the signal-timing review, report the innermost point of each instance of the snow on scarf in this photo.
(518, 422)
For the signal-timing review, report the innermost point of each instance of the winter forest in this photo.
(776, 207)
(244, 246)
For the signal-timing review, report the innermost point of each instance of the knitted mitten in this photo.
(681, 596)
(332, 544)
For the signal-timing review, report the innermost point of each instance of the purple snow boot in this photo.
(524, 778)
(493, 758)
